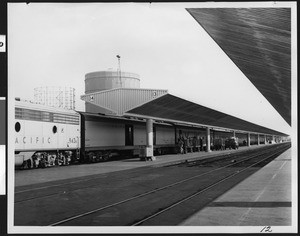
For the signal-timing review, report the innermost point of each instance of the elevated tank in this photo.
(105, 80)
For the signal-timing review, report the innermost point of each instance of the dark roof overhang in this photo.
(172, 108)
(258, 41)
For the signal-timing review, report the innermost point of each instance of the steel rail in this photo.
(162, 188)
(203, 190)
(179, 182)
(138, 169)
(206, 160)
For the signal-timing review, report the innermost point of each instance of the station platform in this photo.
(263, 199)
(37, 176)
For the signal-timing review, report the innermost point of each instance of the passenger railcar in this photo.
(105, 136)
(51, 136)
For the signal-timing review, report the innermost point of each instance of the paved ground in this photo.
(262, 199)
(33, 176)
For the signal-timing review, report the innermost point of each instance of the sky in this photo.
(57, 44)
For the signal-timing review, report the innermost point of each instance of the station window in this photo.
(17, 126)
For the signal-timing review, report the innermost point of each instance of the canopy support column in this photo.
(208, 139)
(149, 140)
(265, 139)
(248, 139)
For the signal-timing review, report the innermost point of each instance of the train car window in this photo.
(37, 115)
(54, 129)
(17, 126)
(18, 113)
(45, 116)
(28, 114)
(129, 135)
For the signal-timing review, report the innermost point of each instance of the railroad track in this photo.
(126, 209)
(213, 159)
(205, 189)
(56, 189)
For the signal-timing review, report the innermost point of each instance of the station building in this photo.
(264, 57)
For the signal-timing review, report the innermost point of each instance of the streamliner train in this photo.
(46, 136)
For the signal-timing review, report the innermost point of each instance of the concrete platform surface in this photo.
(35, 176)
(263, 199)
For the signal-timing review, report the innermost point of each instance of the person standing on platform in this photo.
(201, 144)
(180, 144)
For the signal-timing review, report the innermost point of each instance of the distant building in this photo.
(61, 97)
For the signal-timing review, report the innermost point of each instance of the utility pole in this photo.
(119, 70)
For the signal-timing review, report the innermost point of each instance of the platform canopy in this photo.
(174, 109)
(258, 41)
(160, 105)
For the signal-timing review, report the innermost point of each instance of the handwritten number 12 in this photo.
(266, 229)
